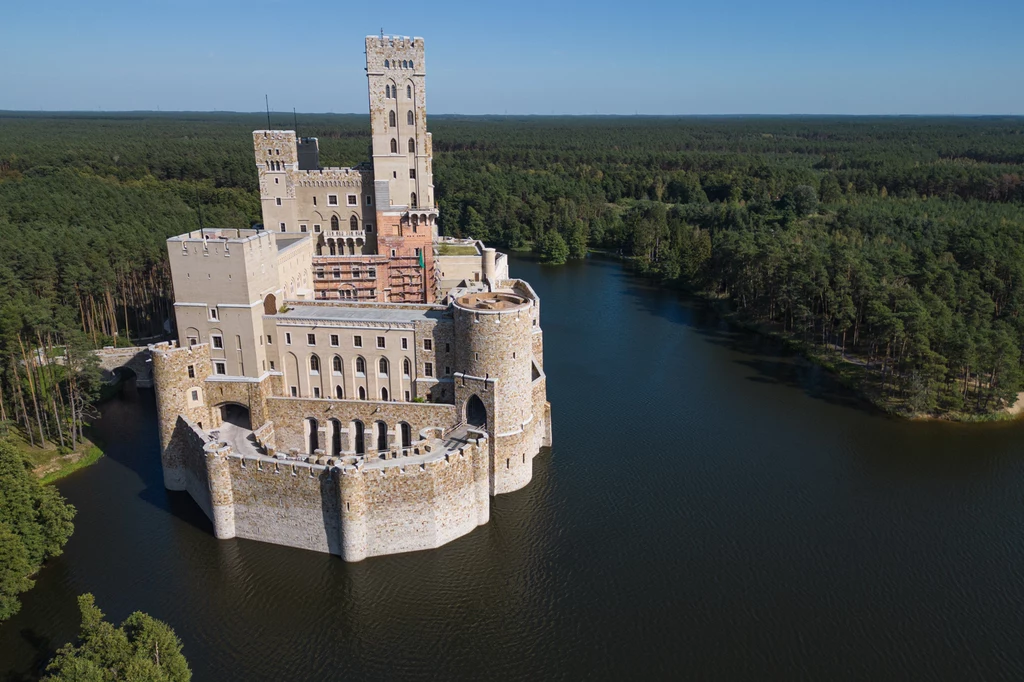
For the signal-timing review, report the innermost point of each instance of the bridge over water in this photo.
(115, 361)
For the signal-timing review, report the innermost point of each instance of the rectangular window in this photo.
(355, 273)
(417, 253)
(428, 344)
(357, 341)
(302, 228)
(316, 391)
(213, 314)
(447, 348)
(192, 341)
(369, 227)
(319, 274)
(369, 200)
(220, 368)
(287, 338)
(217, 341)
(407, 396)
(447, 370)
(394, 253)
(405, 343)
(311, 339)
(332, 199)
(314, 201)
(271, 365)
(191, 371)
(380, 342)
(279, 201)
(270, 340)
(316, 228)
(412, 173)
(337, 274)
(428, 369)
(334, 340)
(353, 200)
(195, 395)
(371, 273)
(283, 228)
(295, 391)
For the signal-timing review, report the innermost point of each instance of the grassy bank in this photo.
(53, 463)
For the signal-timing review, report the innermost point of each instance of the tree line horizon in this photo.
(896, 240)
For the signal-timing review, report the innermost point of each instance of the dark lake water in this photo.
(712, 509)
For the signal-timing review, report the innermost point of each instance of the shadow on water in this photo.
(770, 360)
(43, 649)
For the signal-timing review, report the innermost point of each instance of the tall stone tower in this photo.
(402, 157)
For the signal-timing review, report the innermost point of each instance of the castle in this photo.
(345, 380)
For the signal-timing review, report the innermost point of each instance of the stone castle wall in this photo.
(350, 511)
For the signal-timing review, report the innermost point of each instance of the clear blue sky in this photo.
(669, 57)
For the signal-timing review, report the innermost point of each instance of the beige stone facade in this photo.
(361, 424)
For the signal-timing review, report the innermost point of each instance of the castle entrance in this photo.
(476, 413)
(238, 415)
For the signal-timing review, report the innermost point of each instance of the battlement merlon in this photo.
(395, 50)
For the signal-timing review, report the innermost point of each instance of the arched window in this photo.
(394, 146)
(360, 366)
(406, 435)
(339, 393)
(409, 117)
(360, 448)
(412, 200)
(335, 436)
(412, 146)
(362, 393)
(392, 119)
(387, 64)
(387, 91)
(382, 436)
(383, 367)
(406, 366)
(384, 394)
(312, 435)
(353, 223)
(314, 364)
(334, 223)
(336, 364)
(408, 92)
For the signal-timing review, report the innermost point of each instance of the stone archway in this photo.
(476, 412)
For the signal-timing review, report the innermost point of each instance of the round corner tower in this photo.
(493, 362)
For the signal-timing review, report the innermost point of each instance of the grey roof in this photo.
(342, 313)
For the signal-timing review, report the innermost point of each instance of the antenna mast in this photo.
(295, 117)
(199, 209)
(267, 99)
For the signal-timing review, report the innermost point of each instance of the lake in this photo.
(713, 508)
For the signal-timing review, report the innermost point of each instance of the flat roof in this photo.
(342, 313)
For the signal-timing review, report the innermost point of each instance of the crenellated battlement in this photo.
(396, 42)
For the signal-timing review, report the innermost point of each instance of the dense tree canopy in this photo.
(142, 649)
(35, 522)
(894, 241)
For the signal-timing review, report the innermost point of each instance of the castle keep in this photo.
(345, 380)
